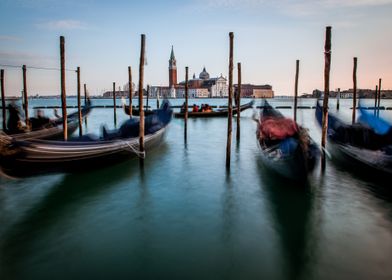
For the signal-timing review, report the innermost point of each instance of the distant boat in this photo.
(218, 113)
(34, 157)
(286, 147)
(360, 144)
(54, 128)
(135, 112)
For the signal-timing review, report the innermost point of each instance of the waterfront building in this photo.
(255, 91)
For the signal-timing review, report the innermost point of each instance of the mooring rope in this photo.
(134, 150)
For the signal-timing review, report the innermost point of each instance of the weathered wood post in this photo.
(186, 95)
(379, 97)
(296, 90)
(130, 90)
(4, 110)
(327, 67)
(354, 90)
(25, 96)
(141, 111)
(63, 93)
(79, 102)
(338, 100)
(85, 102)
(114, 104)
(375, 100)
(85, 94)
(230, 105)
(238, 101)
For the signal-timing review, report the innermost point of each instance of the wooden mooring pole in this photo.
(25, 96)
(186, 96)
(114, 104)
(375, 100)
(327, 68)
(296, 89)
(379, 97)
(141, 111)
(4, 110)
(338, 100)
(85, 94)
(130, 90)
(238, 101)
(79, 102)
(85, 102)
(354, 90)
(63, 93)
(230, 105)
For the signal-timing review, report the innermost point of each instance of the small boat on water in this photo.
(286, 147)
(43, 128)
(34, 157)
(224, 112)
(135, 111)
(366, 144)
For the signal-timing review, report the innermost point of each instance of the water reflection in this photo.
(57, 205)
(291, 207)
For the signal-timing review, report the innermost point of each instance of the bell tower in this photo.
(172, 70)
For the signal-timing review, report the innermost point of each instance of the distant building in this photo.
(255, 91)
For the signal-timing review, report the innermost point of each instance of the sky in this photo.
(103, 39)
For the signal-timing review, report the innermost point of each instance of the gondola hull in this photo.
(295, 164)
(213, 114)
(42, 157)
(36, 157)
(375, 161)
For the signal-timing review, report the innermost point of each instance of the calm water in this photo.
(184, 217)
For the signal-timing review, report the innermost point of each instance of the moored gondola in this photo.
(360, 146)
(218, 113)
(136, 112)
(34, 157)
(286, 147)
(52, 129)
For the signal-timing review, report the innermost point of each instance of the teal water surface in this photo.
(184, 217)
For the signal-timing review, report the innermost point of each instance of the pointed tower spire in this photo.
(172, 57)
(172, 69)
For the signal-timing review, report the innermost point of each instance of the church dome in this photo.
(204, 75)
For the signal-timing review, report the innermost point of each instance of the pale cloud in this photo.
(65, 24)
(29, 58)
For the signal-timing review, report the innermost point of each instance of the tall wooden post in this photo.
(130, 90)
(63, 93)
(327, 67)
(379, 96)
(85, 94)
(79, 102)
(375, 100)
(114, 104)
(25, 95)
(354, 90)
(4, 109)
(141, 111)
(186, 95)
(230, 105)
(238, 101)
(296, 90)
(338, 100)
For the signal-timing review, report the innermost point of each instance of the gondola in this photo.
(135, 112)
(53, 129)
(286, 147)
(34, 157)
(359, 146)
(218, 113)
